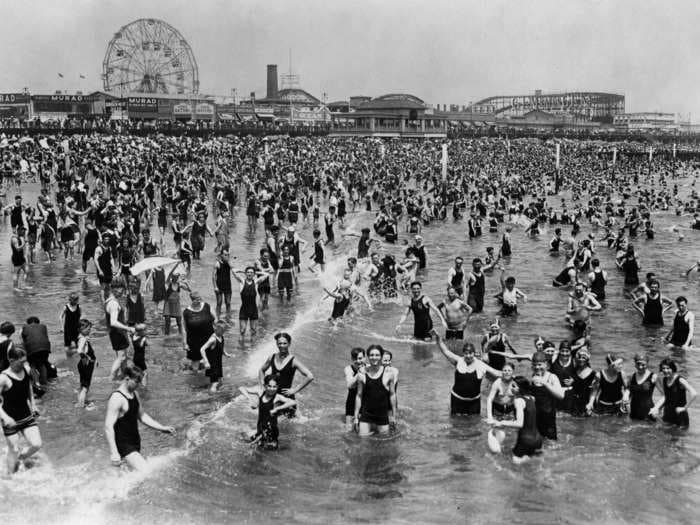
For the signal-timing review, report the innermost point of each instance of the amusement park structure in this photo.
(149, 56)
(591, 106)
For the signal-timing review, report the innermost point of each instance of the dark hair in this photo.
(131, 371)
(271, 377)
(18, 353)
(352, 259)
(285, 335)
(681, 299)
(84, 323)
(510, 280)
(468, 347)
(356, 351)
(669, 363)
(250, 268)
(375, 346)
(263, 251)
(7, 328)
(416, 283)
(595, 262)
(565, 344)
(523, 383)
(33, 320)
(388, 352)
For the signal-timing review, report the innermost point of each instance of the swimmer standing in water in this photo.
(456, 314)
(124, 411)
(375, 403)
(420, 306)
(529, 441)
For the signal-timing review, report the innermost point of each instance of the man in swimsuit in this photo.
(681, 335)
(375, 403)
(420, 306)
(117, 327)
(456, 313)
(477, 287)
(455, 277)
(581, 303)
(221, 279)
(285, 365)
(124, 411)
(18, 410)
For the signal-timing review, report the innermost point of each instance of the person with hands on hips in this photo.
(285, 365)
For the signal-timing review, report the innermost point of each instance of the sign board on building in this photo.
(204, 109)
(183, 108)
(58, 98)
(143, 104)
(14, 98)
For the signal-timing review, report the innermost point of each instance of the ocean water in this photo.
(435, 469)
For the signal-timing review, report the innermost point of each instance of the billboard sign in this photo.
(183, 108)
(143, 104)
(13, 98)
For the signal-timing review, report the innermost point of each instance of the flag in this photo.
(82, 76)
(60, 75)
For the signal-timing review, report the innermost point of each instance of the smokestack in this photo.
(272, 81)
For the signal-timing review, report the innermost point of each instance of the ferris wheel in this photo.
(149, 56)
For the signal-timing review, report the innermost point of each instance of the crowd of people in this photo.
(137, 211)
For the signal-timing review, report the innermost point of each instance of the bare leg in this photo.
(135, 461)
(116, 366)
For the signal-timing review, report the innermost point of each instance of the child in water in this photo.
(212, 356)
(70, 319)
(87, 363)
(269, 404)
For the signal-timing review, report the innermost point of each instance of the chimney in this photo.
(272, 81)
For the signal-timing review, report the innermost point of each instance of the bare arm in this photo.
(450, 356)
(519, 421)
(114, 409)
(211, 342)
(149, 421)
(489, 400)
(403, 318)
(286, 403)
(308, 377)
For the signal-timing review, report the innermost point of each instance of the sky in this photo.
(443, 51)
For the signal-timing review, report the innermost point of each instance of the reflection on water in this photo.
(438, 469)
